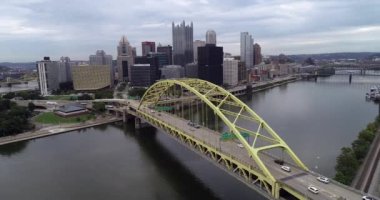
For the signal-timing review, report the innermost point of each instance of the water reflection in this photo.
(13, 148)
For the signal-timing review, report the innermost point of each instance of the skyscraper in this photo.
(124, 59)
(148, 47)
(211, 37)
(230, 71)
(257, 57)
(168, 50)
(246, 49)
(66, 65)
(210, 63)
(48, 76)
(182, 43)
(196, 44)
(101, 58)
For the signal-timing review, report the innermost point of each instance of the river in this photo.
(316, 119)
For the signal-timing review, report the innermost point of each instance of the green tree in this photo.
(31, 106)
(360, 148)
(99, 106)
(347, 165)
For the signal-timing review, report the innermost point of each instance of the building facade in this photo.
(242, 72)
(196, 44)
(191, 70)
(153, 63)
(230, 71)
(168, 50)
(48, 76)
(182, 43)
(91, 77)
(257, 57)
(66, 65)
(246, 49)
(172, 71)
(125, 58)
(162, 58)
(211, 37)
(210, 63)
(101, 58)
(148, 47)
(142, 75)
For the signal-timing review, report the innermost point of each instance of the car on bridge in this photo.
(313, 189)
(286, 168)
(368, 198)
(323, 179)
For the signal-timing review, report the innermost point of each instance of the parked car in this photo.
(240, 145)
(313, 189)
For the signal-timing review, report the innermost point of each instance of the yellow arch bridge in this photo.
(220, 127)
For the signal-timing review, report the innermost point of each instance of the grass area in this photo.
(59, 97)
(51, 118)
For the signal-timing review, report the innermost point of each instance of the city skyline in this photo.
(32, 29)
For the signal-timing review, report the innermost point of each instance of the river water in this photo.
(316, 119)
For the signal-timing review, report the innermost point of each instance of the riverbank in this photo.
(367, 178)
(356, 164)
(273, 83)
(54, 130)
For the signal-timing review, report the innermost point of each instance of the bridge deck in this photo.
(297, 179)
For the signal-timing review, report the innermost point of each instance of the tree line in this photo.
(14, 119)
(351, 158)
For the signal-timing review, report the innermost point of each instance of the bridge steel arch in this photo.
(206, 91)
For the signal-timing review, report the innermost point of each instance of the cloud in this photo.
(78, 28)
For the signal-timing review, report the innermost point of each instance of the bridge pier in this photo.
(137, 123)
(350, 78)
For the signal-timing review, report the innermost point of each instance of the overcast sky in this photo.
(31, 29)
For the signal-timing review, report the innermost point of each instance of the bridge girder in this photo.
(207, 93)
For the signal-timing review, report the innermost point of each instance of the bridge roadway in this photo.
(297, 179)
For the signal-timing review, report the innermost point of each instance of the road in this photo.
(57, 129)
(297, 178)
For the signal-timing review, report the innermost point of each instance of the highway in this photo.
(297, 179)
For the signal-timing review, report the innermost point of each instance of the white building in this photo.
(196, 44)
(211, 37)
(48, 76)
(246, 49)
(230, 71)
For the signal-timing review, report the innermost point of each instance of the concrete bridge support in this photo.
(137, 123)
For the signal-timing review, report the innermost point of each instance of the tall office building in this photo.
(148, 47)
(153, 62)
(168, 50)
(191, 70)
(48, 76)
(257, 57)
(246, 49)
(125, 58)
(196, 44)
(172, 72)
(162, 58)
(242, 72)
(210, 63)
(211, 37)
(182, 43)
(66, 65)
(101, 58)
(142, 75)
(230, 71)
